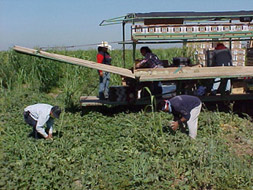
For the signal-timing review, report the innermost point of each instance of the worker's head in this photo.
(104, 46)
(220, 46)
(166, 106)
(144, 50)
(99, 49)
(55, 112)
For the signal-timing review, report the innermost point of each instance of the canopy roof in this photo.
(140, 17)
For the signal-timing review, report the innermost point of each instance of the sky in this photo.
(50, 23)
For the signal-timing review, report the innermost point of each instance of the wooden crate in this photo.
(249, 61)
(238, 87)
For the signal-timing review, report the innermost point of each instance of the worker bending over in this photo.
(38, 115)
(185, 110)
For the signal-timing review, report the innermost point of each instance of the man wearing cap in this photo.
(38, 115)
(185, 109)
(221, 57)
(104, 77)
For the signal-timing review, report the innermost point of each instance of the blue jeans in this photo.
(104, 85)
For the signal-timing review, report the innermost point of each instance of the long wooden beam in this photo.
(76, 61)
(191, 73)
(164, 74)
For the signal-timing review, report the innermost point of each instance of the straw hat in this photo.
(105, 44)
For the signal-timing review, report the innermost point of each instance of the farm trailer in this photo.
(146, 75)
(173, 27)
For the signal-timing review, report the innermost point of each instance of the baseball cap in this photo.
(167, 105)
(56, 110)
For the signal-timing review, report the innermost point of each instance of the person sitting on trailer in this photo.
(221, 57)
(104, 77)
(38, 115)
(150, 59)
(185, 109)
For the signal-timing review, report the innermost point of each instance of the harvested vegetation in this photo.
(121, 151)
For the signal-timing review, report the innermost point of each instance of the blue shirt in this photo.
(183, 104)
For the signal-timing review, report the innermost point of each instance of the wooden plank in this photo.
(190, 73)
(164, 74)
(94, 101)
(76, 61)
(231, 97)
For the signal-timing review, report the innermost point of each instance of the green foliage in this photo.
(17, 69)
(123, 151)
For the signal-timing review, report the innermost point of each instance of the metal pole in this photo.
(134, 50)
(134, 46)
(230, 39)
(124, 46)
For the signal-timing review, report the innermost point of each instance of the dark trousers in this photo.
(30, 121)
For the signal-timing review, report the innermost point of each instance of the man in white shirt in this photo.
(38, 115)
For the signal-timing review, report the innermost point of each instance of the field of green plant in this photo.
(125, 150)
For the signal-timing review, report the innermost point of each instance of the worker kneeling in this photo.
(185, 109)
(38, 115)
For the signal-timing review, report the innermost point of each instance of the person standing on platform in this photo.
(104, 77)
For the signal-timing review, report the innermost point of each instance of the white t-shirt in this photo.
(41, 113)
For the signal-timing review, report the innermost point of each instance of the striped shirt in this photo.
(151, 61)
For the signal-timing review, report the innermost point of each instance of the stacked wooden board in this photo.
(192, 73)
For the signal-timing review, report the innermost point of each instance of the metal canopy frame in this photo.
(188, 17)
(139, 17)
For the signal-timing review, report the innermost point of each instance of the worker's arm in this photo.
(141, 63)
(231, 59)
(185, 116)
(176, 124)
(40, 126)
(50, 124)
(100, 59)
(41, 130)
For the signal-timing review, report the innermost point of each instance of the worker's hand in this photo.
(49, 137)
(174, 125)
(137, 66)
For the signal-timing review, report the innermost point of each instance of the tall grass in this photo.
(24, 71)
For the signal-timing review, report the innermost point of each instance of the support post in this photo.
(230, 39)
(124, 45)
(134, 50)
